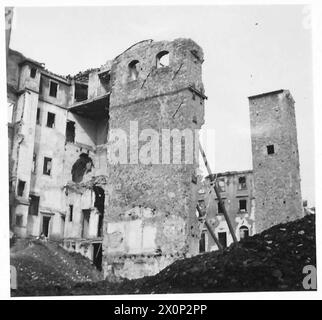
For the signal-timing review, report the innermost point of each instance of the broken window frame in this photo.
(53, 88)
(134, 70)
(51, 119)
(46, 170)
(70, 131)
(242, 183)
(33, 205)
(163, 59)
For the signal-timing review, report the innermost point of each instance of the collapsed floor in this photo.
(270, 261)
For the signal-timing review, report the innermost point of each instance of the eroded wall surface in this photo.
(276, 172)
(150, 220)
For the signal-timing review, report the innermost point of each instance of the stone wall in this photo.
(276, 175)
(150, 220)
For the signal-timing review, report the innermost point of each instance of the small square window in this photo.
(50, 120)
(53, 89)
(47, 166)
(270, 149)
(33, 72)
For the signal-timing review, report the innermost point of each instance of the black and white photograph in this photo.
(158, 149)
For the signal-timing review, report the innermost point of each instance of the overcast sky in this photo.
(248, 50)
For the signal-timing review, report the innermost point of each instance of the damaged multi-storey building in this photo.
(133, 219)
(130, 219)
(268, 194)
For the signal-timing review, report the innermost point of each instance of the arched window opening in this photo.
(163, 59)
(134, 69)
(82, 166)
(243, 232)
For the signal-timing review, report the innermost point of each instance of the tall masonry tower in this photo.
(275, 159)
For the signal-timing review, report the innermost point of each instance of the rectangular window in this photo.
(47, 166)
(243, 205)
(221, 185)
(50, 120)
(33, 72)
(71, 212)
(202, 242)
(70, 131)
(270, 149)
(34, 205)
(242, 183)
(38, 116)
(53, 89)
(222, 238)
(220, 208)
(21, 187)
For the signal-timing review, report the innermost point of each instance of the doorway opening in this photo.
(97, 255)
(45, 225)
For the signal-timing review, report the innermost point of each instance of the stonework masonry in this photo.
(275, 159)
(134, 219)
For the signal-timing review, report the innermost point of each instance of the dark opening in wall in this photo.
(243, 232)
(134, 69)
(53, 86)
(21, 187)
(70, 131)
(202, 242)
(162, 59)
(97, 255)
(51, 120)
(99, 204)
(38, 116)
(71, 208)
(82, 166)
(81, 92)
(242, 183)
(243, 205)
(270, 149)
(220, 208)
(34, 205)
(202, 207)
(47, 166)
(19, 220)
(33, 72)
(222, 238)
(34, 163)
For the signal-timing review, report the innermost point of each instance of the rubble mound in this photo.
(41, 264)
(270, 261)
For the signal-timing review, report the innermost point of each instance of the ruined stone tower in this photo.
(150, 220)
(275, 159)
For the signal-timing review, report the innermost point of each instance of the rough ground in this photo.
(270, 261)
(40, 264)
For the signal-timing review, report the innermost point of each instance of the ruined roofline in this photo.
(229, 173)
(267, 94)
(25, 59)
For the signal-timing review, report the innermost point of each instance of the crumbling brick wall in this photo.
(275, 159)
(150, 218)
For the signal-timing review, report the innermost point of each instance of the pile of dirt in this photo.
(270, 261)
(41, 264)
